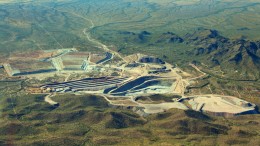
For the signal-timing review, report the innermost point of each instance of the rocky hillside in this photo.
(208, 48)
(240, 56)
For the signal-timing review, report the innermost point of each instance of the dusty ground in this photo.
(216, 103)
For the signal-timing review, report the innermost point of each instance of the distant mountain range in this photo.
(236, 57)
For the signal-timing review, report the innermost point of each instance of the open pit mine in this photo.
(129, 82)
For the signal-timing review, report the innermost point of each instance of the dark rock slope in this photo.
(236, 57)
(239, 55)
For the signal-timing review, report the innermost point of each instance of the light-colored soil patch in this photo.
(157, 108)
(219, 104)
(49, 100)
(124, 102)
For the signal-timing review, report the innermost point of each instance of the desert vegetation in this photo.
(220, 37)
